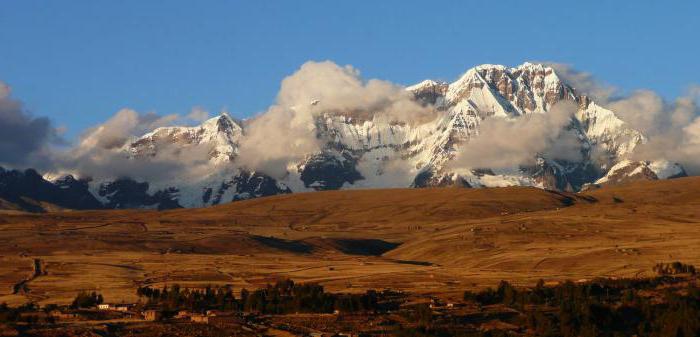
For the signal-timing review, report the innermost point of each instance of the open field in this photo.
(440, 241)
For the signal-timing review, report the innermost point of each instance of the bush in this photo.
(86, 300)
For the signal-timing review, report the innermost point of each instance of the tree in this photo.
(86, 300)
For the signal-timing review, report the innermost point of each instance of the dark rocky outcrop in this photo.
(127, 193)
(255, 185)
(22, 187)
(328, 171)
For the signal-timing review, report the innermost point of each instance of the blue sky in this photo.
(80, 61)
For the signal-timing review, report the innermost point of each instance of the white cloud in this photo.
(507, 143)
(24, 139)
(286, 131)
(671, 128)
(583, 82)
(100, 152)
(198, 114)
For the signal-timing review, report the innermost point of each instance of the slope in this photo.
(425, 240)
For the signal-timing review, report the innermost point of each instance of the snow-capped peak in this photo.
(220, 134)
(425, 84)
(222, 124)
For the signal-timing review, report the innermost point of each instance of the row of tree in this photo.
(175, 298)
(282, 297)
(603, 307)
(674, 268)
(28, 313)
(86, 300)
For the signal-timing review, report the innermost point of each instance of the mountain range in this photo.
(361, 152)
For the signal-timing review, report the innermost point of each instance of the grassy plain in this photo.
(439, 241)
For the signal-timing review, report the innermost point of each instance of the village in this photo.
(392, 312)
(305, 309)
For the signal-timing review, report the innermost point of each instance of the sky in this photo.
(78, 62)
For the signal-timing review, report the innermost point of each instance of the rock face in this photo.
(329, 171)
(127, 193)
(367, 153)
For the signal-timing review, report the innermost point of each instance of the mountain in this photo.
(370, 153)
(220, 136)
(628, 171)
(27, 190)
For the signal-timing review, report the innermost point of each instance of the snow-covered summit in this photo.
(504, 91)
(426, 84)
(629, 170)
(220, 135)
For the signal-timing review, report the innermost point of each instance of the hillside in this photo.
(439, 240)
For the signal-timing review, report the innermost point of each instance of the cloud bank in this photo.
(672, 129)
(508, 143)
(24, 139)
(99, 153)
(286, 132)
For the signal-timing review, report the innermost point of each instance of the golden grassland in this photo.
(439, 241)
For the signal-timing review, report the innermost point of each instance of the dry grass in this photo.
(430, 240)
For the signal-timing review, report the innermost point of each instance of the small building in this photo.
(225, 321)
(436, 303)
(216, 313)
(58, 314)
(151, 315)
(183, 314)
(123, 307)
(199, 318)
(116, 307)
(455, 305)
